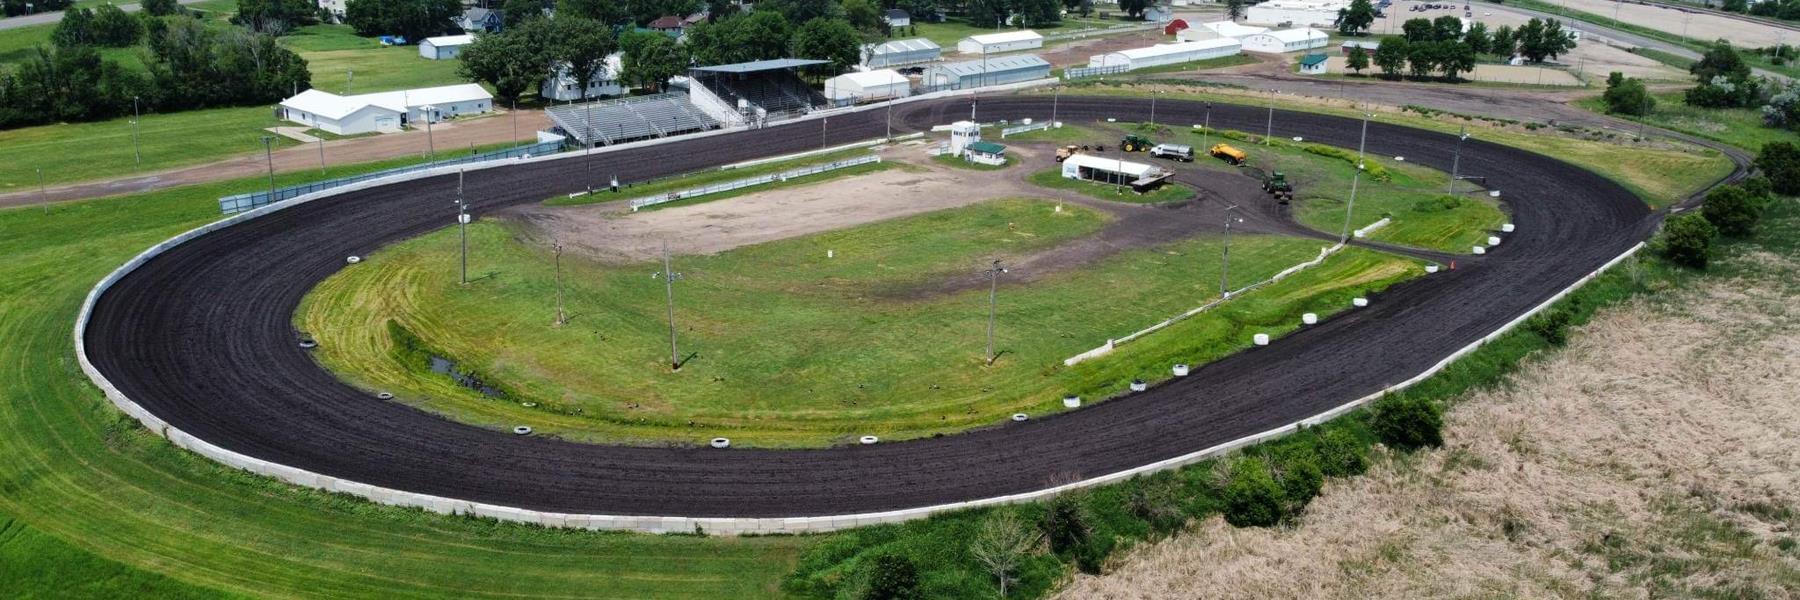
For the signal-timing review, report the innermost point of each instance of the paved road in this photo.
(202, 337)
(45, 18)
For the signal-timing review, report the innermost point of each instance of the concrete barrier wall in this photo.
(648, 524)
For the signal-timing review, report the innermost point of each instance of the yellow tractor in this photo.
(1230, 154)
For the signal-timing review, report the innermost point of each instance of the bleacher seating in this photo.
(776, 92)
(619, 121)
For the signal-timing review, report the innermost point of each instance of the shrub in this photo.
(892, 577)
(1627, 96)
(1157, 502)
(1733, 210)
(1372, 169)
(1408, 422)
(1252, 499)
(1065, 523)
(1687, 239)
(1091, 557)
(1297, 469)
(1780, 162)
(1551, 325)
(1341, 454)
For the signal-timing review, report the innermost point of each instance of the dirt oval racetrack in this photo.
(201, 336)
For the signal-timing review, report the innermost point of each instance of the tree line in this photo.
(13, 8)
(1432, 47)
(1721, 80)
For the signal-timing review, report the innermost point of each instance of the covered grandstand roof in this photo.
(774, 64)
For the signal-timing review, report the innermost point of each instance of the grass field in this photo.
(73, 468)
(69, 152)
(657, 187)
(1741, 127)
(794, 349)
(1052, 178)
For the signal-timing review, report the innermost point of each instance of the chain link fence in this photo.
(242, 202)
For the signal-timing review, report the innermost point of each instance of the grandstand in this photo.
(756, 90)
(618, 121)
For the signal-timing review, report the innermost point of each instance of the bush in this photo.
(1297, 469)
(1733, 210)
(1372, 169)
(1551, 325)
(1252, 499)
(1157, 502)
(1091, 557)
(1780, 162)
(1341, 454)
(1065, 523)
(1687, 239)
(1408, 423)
(1627, 96)
(892, 577)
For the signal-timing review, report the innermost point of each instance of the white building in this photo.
(1286, 40)
(900, 53)
(561, 86)
(384, 111)
(1166, 54)
(1107, 170)
(444, 47)
(1296, 13)
(1315, 64)
(335, 7)
(868, 85)
(1000, 70)
(1216, 30)
(995, 43)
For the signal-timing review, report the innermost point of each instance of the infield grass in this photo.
(791, 348)
(1052, 178)
(1741, 127)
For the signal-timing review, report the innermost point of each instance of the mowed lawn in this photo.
(333, 52)
(791, 348)
(70, 152)
(1741, 127)
(97, 491)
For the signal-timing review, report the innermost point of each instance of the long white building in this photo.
(1005, 41)
(1286, 40)
(1166, 54)
(1218, 29)
(384, 111)
(1296, 13)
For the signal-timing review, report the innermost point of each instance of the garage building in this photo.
(993, 71)
(901, 53)
(1166, 54)
(384, 111)
(1286, 40)
(1296, 13)
(868, 85)
(996, 43)
(444, 47)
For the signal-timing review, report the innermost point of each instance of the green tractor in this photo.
(1277, 185)
(1135, 143)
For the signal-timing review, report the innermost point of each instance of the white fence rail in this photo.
(752, 181)
(1018, 129)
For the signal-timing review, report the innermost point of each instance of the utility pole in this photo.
(587, 122)
(890, 119)
(1153, 96)
(1455, 163)
(1055, 99)
(1206, 129)
(1225, 256)
(562, 317)
(430, 144)
(321, 155)
(824, 126)
(462, 225)
(135, 117)
(269, 155)
(669, 276)
(1355, 179)
(993, 274)
(1269, 131)
(515, 122)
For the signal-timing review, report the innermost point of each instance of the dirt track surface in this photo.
(201, 337)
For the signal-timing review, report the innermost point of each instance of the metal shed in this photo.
(899, 53)
(993, 71)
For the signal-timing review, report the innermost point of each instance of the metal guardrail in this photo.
(752, 181)
(242, 202)
(1018, 129)
(1080, 72)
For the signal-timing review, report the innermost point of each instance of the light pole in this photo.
(515, 122)
(1225, 256)
(269, 155)
(462, 225)
(824, 125)
(993, 274)
(1455, 162)
(135, 117)
(430, 143)
(1055, 99)
(1355, 179)
(669, 276)
(890, 119)
(587, 122)
(1206, 129)
(561, 316)
(321, 155)
(1269, 129)
(1153, 96)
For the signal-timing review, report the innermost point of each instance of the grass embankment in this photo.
(1659, 175)
(73, 468)
(657, 187)
(1052, 178)
(796, 349)
(1741, 127)
(1416, 198)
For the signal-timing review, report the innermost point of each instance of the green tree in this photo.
(413, 19)
(1780, 162)
(1735, 211)
(1357, 60)
(75, 29)
(1356, 19)
(1422, 58)
(511, 61)
(1783, 109)
(644, 11)
(755, 36)
(73, 83)
(1390, 56)
(276, 16)
(1234, 9)
(865, 16)
(114, 28)
(1687, 240)
(986, 13)
(1297, 470)
(892, 577)
(1505, 42)
(650, 59)
(1417, 30)
(1455, 58)
(1408, 422)
(1065, 523)
(801, 11)
(1252, 498)
(829, 39)
(160, 8)
(1446, 28)
(515, 12)
(610, 12)
(1478, 38)
(1627, 96)
(1038, 13)
(583, 44)
(1720, 60)
(1539, 39)
(1134, 8)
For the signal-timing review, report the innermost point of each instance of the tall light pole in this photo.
(1206, 129)
(587, 122)
(430, 143)
(993, 274)
(824, 126)
(1153, 96)
(321, 155)
(1225, 256)
(462, 225)
(1269, 129)
(269, 155)
(1055, 99)
(890, 118)
(561, 316)
(135, 117)
(1455, 161)
(1355, 179)
(669, 276)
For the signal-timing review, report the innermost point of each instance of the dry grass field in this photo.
(1654, 457)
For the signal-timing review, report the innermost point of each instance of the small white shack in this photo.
(995, 43)
(1166, 54)
(384, 111)
(444, 47)
(1286, 40)
(879, 84)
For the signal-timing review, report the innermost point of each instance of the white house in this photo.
(1005, 41)
(1166, 54)
(1286, 40)
(896, 17)
(335, 7)
(1216, 30)
(868, 85)
(1296, 13)
(561, 86)
(444, 47)
(384, 111)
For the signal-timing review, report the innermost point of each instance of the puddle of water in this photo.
(448, 367)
